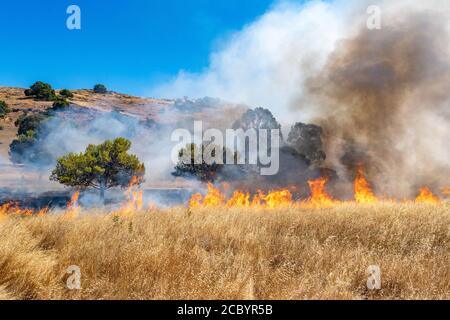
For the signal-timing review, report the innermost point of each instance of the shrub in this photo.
(20, 149)
(26, 123)
(27, 148)
(66, 94)
(4, 109)
(41, 91)
(100, 88)
(60, 103)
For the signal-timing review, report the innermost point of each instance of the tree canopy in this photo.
(41, 91)
(207, 171)
(100, 88)
(100, 167)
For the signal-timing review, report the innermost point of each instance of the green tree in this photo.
(100, 88)
(207, 170)
(66, 94)
(41, 91)
(4, 109)
(101, 167)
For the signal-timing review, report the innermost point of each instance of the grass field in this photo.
(285, 253)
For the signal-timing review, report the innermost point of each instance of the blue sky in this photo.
(129, 46)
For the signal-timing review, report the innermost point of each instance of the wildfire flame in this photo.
(239, 199)
(195, 200)
(319, 196)
(426, 196)
(14, 209)
(215, 198)
(134, 199)
(362, 188)
(276, 199)
(72, 208)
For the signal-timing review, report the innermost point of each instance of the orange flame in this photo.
(239, 199)
(134, 199)
(257, 199)
(276, 199)
(426, 196)
(73, 202)
(363, 190)
(10, 209)
(214, 198)
(42, 212)
(72, 208)
(319, 196)
(195, 201)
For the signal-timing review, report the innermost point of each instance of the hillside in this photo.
(19, 103)
(87, 107)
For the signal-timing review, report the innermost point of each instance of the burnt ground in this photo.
(114, 198)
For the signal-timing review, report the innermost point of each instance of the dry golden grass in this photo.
(231, 254)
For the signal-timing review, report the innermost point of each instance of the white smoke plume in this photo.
(267, 62)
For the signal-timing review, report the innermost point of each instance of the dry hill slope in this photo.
(19, 103)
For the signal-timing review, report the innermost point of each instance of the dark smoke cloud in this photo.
(383, 99)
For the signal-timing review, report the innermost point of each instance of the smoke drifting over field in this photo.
(382, 96)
